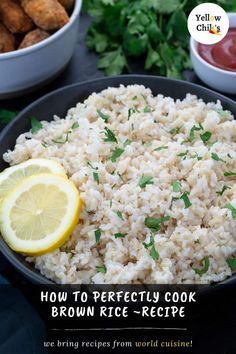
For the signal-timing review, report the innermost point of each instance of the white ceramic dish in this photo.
(218, 79)
(29, 68)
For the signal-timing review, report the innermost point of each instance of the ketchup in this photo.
(221, 54)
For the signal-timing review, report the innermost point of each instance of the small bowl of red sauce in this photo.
(216, 64)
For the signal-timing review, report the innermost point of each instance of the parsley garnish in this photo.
(96, 177)
(206, 137)
(185, 199)
(223, 190)
(103, 116)
(183, 154)
(45, 145)
(152, 249)
(192, 132)
(144, 180)
(215, 157)
(205, 267)
(230, 174)
(110, 136)
(196, 156)
(229, 156)
(110, 203)
(147, 109)
(176, 187)
(7, 116)
(163, 147)
(175, 130)
(101, 269)
(75, 125)
(131, 111)
(98, 234)
(118, 213)
(35, 125)
(232, 209)
(231, 263)
(120, 235)
(116, 154)
(127, 142)
(155, 223)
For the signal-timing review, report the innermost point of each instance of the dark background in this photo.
(213, 327)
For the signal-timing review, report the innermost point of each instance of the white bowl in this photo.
(28, 68)
(218, 79)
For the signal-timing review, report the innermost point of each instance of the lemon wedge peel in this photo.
(67, 224)
(13, 175)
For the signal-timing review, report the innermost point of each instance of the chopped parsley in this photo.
(224, 188)
(185, 199)
(97, 234)
(232, 209)
(175, 130)
(131, 111)
(134, 98)
(116, 154)
(105, 117)
(144, 180)
(132, 126)
(118, 213)
(155, 223)
(163, 147)
(75, 125)
(221, 112)
(110, 203)
(230, 174)
(229, 156)
(152, 249)
(110, 136)
(192, 132)
(120, 235)
(7, 116)
(101, 269)
(206, 137)
(205, 267)
(35, 125)
(231, 263)
(147, 109)
(176, 187)
(183, 154)
(127, 142)
(96, 177)
(216, 157)
(196, 156)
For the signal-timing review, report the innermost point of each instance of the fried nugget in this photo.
(46, 14)
(14, 17)
(7, 40)
(67, 4)
(33, 37)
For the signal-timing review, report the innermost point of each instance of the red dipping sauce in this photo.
(221, 54)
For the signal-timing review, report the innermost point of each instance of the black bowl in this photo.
(59, 101)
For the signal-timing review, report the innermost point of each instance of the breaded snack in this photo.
(67, 4)
(14, 17)
(7, 40)
(46, 14)
(33, 37)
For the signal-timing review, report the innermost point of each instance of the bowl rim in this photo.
(193, 44)
(39, 278)
(35, 47)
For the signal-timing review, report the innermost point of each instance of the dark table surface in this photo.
(82, 67)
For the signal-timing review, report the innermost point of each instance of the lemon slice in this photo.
(40, 213)
(10, 177)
